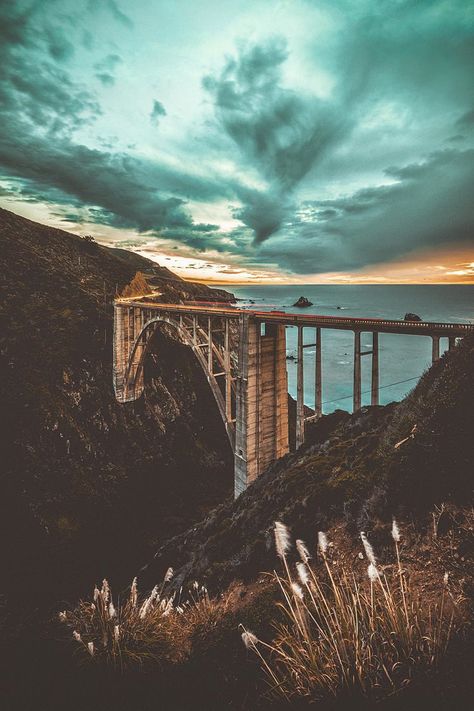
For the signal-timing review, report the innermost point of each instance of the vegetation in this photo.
(136, 631)
(346, 636)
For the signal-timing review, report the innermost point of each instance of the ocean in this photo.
(403, 359)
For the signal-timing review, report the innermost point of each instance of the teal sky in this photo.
(293, 140)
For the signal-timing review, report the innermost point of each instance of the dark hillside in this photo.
(349, 470)
(86, 483)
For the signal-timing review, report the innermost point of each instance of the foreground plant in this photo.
(135, 630)
(343, 635)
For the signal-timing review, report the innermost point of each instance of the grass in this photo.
(136, 631)
(127, 632)
(365, 636)
(337, 624)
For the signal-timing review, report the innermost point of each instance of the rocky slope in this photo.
(349, 470)
(83, 479)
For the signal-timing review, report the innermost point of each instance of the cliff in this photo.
(84, 479)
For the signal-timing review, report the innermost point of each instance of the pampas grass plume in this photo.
(297, 591)
(249, 639)
(323, 542)
(373, 573)
(282, 539)
(302, 573)
(303, 551)
(395, 531)
(369, 551)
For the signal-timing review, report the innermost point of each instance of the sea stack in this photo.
(412, 317)
(303, 302)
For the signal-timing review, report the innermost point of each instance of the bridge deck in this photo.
(310, 320)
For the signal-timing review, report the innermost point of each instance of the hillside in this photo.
(82, 477)
(348, 470)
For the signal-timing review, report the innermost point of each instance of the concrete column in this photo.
(228, 373)
(209, 344)
(434, 348)
(357, 373)
(261, 428)
(127, 370)
(374, 398)
(118, 354)
(300, 391)
(277, 403)
(246, 426)
(318, 391)
(452, 342)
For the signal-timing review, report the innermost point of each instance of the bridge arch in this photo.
(130, 384)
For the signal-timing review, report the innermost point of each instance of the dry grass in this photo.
(368, 635)
(137, 631)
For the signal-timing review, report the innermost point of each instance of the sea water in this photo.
(402, 358)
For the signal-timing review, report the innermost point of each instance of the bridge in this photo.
(243, 355)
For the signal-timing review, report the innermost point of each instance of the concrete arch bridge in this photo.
(243, 355)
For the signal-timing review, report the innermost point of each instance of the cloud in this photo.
(285, 163)
(157, 111)
(119, 15)
(42, 110)
(430, 205)
(279, 133)
(105, 69)
(466, 120)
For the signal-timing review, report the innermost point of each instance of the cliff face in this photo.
(86, 482)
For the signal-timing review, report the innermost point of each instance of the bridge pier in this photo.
(357, 373)
(300, 419)
(434, 348)
(318, 390)
(128, 373)
(374, 390)
(261, 434)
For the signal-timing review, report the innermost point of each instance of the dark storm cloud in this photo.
(466, 120)
(157, 112)
(42, 108)
(278, 132)
(119, 190)
(36, 93)
(429, 206)
(384, 52)
(415, 57)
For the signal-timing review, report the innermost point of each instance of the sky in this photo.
(279, 141)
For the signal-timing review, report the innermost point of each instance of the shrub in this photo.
(368, 637)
